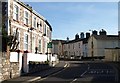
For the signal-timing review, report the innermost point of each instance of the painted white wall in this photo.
(100, 45)
(38, 58)
(14, 57)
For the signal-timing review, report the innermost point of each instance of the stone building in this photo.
(33, 30)
(27, 29)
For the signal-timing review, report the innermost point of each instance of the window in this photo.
(45, 29)
(17, 36)
(39, 25)
(79, 45)
(34, 22)
(18, 39)
(73, 46)
(68, 46)
(39, 46)
(26, 17)
(26, 42)
(15, 12)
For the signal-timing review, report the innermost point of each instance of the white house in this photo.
(76, 48)
(98, 43)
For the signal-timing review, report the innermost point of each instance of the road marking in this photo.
(40, 79)
(74, 80)
(65, 66)
(33, 79)
(83, 73)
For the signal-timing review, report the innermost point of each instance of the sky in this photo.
(70, 18)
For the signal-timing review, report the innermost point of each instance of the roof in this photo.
(74, 41)
(57, 41)
(48, 24)
(33, 11)
(106, 37)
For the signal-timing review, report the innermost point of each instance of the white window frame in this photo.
(18, 38)
(34, 21)
(15, 12)
(26, 17)
(26, 42)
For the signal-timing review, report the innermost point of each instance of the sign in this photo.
(49, 45)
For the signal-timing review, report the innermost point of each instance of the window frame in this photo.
(34, 22)
(26, 42)
(16, 12)
(26, 17)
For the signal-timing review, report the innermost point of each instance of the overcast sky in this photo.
(70, 18)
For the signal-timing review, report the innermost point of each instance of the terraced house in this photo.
(25, 31)
(33, 31)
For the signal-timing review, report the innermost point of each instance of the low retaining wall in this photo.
(37, 66)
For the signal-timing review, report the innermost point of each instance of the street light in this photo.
(92, 52)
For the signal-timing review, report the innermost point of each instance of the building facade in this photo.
(76, 48)
(33, 31)
(98, 43)
(57, 47)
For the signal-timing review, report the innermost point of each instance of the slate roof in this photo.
(57, 41)
(106, 37)
(77, 40)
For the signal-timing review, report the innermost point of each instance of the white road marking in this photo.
(33, 79)
(83, 73)
(65, 65)
(40, 79)
(74, 80)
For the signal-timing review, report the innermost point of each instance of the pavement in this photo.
(38, 75)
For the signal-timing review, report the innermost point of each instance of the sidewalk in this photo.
(37, 75)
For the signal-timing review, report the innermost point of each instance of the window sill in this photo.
(15, 20)
(26, 25)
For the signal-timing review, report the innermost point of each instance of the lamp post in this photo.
(92, 51)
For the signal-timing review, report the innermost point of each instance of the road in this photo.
(80, 71)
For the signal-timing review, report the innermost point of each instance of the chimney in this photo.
(87, 35)
(76, 36)
(67, 39)
(118, 33)
(82, 35)
(94, 32)
(103, 32)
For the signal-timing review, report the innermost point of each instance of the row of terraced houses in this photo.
(96, 46)
(33, 30)
(28, 35)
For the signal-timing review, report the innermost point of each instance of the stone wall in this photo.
(38, 66)
(8, 70)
